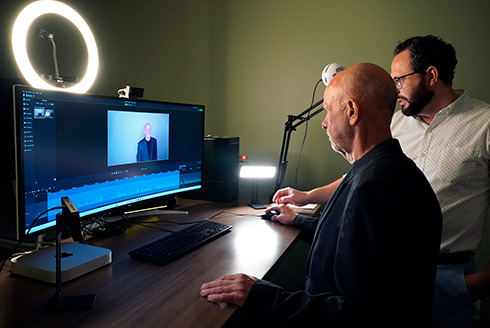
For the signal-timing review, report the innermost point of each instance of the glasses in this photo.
(398, 79)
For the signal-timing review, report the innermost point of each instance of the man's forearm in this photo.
(321, 195)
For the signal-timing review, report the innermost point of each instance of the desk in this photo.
(137, 294)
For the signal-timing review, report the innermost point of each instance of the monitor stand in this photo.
(155, 213)
(76, 260)
(152, 211)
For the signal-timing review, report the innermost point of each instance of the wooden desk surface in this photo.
(131, 293)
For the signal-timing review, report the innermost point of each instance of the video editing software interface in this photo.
(101, 152)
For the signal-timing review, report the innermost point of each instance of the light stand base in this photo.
(257, 206)
(254, 203)
(71, 303)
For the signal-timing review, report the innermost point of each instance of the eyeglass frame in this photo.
(398, 79)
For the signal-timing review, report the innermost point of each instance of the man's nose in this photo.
(324, 124)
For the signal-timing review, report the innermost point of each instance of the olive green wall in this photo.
(253, 62)
(277, 49)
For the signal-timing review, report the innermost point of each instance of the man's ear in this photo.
(432, 75)
(352, 111)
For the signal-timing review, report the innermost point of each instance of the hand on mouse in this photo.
(269, 215)
(283, 214)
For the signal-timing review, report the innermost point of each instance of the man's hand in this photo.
(478, 284)
(232, 289)
(290, 196)
(320, 195)
(286, 215)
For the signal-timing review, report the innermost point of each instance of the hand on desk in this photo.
(232, 289)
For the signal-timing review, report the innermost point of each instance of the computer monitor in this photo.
(104, 153)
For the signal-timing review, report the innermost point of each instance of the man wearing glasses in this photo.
(447, 134)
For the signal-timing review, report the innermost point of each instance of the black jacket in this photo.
(374, 252)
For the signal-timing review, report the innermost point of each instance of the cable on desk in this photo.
(148, 224)
(242, 214)
(99, 226)
(28, 230)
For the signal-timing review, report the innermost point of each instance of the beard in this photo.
(419, 99)
(335, 146)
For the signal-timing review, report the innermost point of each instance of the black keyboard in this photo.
(170, 247)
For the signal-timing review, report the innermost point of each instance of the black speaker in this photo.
(8, 228)
(220, 169)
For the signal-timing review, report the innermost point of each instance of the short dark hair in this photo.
(426, 51)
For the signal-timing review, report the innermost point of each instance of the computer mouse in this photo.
(268, 215)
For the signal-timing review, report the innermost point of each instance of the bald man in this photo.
(373, 257)
(147, 147)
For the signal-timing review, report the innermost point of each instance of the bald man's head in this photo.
(368, 84)
(360, 102)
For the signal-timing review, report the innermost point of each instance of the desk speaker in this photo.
(220, 168)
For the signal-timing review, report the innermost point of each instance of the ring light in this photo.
(19, 44)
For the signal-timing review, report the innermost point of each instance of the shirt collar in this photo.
(383, 147)
(446, 111)
(462, 96)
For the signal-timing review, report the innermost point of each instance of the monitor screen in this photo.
(104, 153)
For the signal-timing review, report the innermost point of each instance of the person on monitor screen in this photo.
(446, 133)
(373, 258)
(147, 147)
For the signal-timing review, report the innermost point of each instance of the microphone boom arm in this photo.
(291, 124)
(328, 73)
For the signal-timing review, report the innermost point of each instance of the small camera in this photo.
(130, 92)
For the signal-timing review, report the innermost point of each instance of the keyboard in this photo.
(172, 246)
